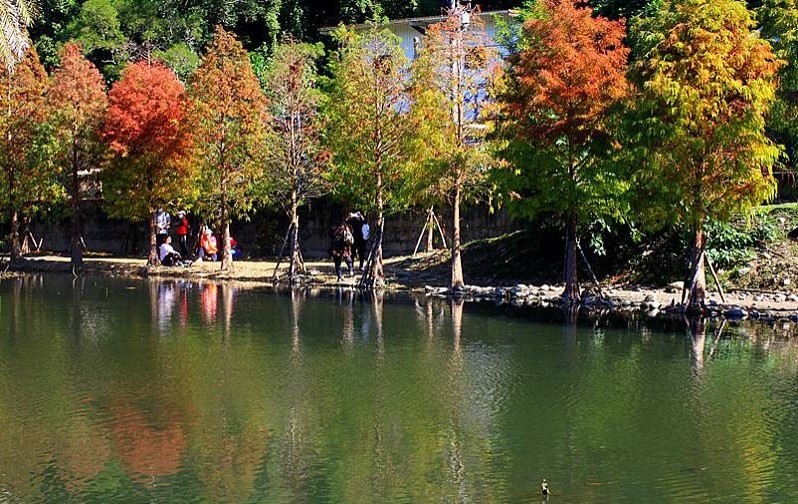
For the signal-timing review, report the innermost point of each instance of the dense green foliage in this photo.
(116, 32)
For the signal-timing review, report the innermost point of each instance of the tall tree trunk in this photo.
(571, 293)
(76, 245)
(227, 254)
(458, 282)
(152, 258)
(430, 231)
(377, 273)
(16, 246)
(295, 265)
(698, 294)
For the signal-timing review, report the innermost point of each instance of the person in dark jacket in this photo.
(360, 232)
(341, 248)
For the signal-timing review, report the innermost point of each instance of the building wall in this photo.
(407, 33)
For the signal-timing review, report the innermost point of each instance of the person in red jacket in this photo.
(183, 229)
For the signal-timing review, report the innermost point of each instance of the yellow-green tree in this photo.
(228, 117)
(27, 178)
(296, 160)
(451, 78)
(370, 129)
(706, 81)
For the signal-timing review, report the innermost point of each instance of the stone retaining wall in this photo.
(264, 233)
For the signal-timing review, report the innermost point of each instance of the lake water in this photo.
(144, 392)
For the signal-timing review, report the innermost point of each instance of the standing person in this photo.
(341, 248)
(163, 222)
(182, 231)
(360, 232)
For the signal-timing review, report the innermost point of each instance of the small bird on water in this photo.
(544, 488)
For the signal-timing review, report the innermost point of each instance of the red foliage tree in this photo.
(568, 74)
(77, 103)
(144, 127)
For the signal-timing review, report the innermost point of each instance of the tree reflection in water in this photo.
(298, 398)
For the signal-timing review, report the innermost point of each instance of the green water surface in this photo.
(145, 392)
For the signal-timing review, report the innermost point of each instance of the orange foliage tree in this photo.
(28, 179)
(228, 118)
(144, 126)
(76, 104)
(562, 84)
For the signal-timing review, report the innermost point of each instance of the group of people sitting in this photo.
(349, 239)
(207, 248)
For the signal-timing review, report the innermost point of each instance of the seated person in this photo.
(208, 249)
(235, 248)
(167, 254)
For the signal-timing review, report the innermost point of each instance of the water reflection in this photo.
(358, 399)
(210, 299)
(228, 302)
(698, 338)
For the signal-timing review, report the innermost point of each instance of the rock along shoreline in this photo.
(769, 306)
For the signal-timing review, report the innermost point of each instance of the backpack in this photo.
(349, 239)
(343, 235)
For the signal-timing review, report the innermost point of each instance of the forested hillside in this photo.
(114, 32)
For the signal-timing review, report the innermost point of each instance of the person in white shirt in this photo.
(167, 253)
(163, 221)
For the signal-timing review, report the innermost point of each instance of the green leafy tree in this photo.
(77, 103)
(561, 89)
(97, 26)
(98, 31)
(145, 127)
(180, 58)
(450, 92)
(48, 32)
(778, 20)
(370, 130)
(619, 9)
(228, 117)
(28, 179)
(705, 86)
(296, 160)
